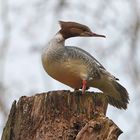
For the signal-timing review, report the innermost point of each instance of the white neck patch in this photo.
(59, 37)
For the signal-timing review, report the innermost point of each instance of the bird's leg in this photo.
(84, 84)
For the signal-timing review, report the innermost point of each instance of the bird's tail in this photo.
(116, 94)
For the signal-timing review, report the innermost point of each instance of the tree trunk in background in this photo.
(60, 115)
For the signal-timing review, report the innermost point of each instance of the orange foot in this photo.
(84, 84)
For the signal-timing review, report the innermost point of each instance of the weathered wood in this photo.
(99, 128)
(60, 115)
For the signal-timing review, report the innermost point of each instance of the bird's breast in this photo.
(68, 71)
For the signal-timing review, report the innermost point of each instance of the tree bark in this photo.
(60, 115)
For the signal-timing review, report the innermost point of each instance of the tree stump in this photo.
(60, 115)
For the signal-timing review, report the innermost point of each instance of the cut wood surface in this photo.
(60, 115)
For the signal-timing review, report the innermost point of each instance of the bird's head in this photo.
(73, 29)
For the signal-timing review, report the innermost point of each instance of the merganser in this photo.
(79, 69)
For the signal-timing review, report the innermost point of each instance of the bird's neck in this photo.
(51, 52)
(57, 41)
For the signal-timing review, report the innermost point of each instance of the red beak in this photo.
(96, 35)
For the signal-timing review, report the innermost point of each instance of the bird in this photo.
(77, 68)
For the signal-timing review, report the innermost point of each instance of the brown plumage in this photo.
(77, 68)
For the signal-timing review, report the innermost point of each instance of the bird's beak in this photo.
(92, 34)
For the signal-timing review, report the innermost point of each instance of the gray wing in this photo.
(80, 53)
(77, 53)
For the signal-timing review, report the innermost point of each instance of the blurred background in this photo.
(26, 27)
